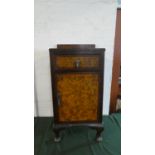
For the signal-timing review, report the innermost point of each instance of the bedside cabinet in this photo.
(77, 87)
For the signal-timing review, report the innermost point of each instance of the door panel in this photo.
(78, 96)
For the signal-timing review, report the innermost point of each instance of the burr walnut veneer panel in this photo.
(85, 61)
(79, 96)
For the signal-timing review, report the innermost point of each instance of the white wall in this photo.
(71, 22)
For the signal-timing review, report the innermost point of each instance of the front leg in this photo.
(56, 131)
(98, 134)
(57, 137)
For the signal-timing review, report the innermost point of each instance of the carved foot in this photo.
(57, 135)
(98, 134)
(57, 139)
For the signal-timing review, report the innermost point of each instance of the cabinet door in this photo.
(77, 96)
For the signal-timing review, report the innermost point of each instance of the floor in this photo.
(78, 140)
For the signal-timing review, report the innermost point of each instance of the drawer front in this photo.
(70, 61)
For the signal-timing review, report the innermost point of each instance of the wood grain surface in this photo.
(70, 61)
(79, 95)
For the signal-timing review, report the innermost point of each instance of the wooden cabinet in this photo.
(77, 86)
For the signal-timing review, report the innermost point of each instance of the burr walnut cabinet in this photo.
(77, 87)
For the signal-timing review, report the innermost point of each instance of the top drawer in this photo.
(71, 61)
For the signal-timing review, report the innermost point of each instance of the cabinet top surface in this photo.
(77, 51)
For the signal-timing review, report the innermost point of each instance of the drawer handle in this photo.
(77, 63)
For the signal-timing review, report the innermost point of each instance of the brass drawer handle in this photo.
(77, 63)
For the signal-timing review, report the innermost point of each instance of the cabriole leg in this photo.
(57, 137)
(98, 134)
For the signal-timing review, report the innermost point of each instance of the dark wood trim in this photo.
(74, 52)
(76, 70)
(76, 46)
(116, 63)
(101, 81)
(53, 85)
(93, 124)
